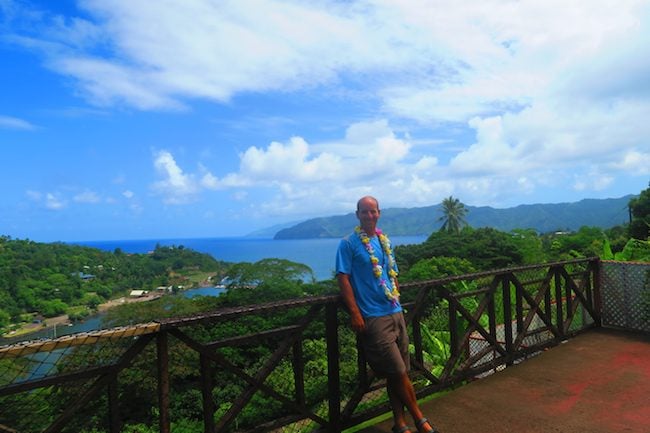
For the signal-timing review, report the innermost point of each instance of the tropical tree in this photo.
(639, 207)
(453, 215)
(266, 280)
(437, 267)
(485, 248)
(530, 245)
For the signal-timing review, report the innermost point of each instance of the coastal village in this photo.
(39, 322)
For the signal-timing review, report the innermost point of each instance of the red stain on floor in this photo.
(598, 382)
(574, 392)
(634, 355)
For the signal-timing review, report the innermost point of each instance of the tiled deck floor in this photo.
(597, 382)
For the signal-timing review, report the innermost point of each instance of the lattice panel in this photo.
(31, 360)
(624, 286)
(25, 362)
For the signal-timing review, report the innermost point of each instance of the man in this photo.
(367, 277)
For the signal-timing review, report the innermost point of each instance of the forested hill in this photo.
(604, 213)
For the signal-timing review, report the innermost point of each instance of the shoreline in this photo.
(64, 320)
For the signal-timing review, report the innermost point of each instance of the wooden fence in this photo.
(291, 365)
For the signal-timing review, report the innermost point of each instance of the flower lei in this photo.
(377, 270)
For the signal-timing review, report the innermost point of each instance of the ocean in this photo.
(318, 254)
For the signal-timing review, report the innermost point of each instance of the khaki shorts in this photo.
(385, 343)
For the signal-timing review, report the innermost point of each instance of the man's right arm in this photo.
(358, 324)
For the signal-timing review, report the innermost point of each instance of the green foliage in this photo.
(164, 307)
(183, 425)
(586, 242)
(437, 267)
(634, 251)
(264, 281)
(25, 412)
(607, 253)
(639, 227)
(52, 308)
(617, 237)
(436, 346)
(530, 245)
(78, 315)
(5, 318)
(48, 278)
(268, 270)
(484, 248)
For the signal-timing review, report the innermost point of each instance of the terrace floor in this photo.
(597, 382)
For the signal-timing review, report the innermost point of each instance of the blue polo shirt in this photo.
(353, 259)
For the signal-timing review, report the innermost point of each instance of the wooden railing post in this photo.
(299, 372)
(114, 422)
(559, 315)
(206, 391)
(596, 268)
(417, 339)
(453, 330)
(162, 346)
(507, 319)
(334, 380)
(568, 295)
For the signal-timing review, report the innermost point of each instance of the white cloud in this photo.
(550, 93)
(512, 155)
(34, 195)
(86, 197)
(210, 181)
(226, 47)
(634, 161)
(593, 180)
(9, 122)
(176, 186)
(368, 149)
(460, 59)
(309, 177)
(128, 194)
(547, 145)
(448, 62)
(289, 162)
(426, 164)
(50, 200)
(54, 202)
(106, 83)
(491, 153)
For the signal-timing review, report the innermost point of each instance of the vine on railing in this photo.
(292, 364)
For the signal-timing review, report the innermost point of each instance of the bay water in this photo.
(318, 254)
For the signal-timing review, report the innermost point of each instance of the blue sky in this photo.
(135, 119)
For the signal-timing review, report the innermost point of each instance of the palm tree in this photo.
(454, 215)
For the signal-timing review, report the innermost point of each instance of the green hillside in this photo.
(603, 213)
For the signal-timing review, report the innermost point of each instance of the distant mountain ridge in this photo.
(603, 213)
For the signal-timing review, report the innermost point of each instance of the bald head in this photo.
(367, 199)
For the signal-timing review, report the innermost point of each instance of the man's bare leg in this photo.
(400, 387)
(399, 416)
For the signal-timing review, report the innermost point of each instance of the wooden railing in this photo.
(292, 364)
